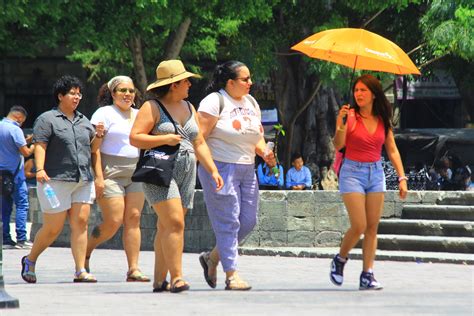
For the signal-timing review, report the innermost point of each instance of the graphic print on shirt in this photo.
(242, 122)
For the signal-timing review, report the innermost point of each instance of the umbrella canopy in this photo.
(358, 49)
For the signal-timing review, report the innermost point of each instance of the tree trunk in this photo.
(135, 45)
(176, 40)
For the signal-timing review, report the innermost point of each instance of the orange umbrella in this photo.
(358, 49)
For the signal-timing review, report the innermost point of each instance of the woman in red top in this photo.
(361, 178)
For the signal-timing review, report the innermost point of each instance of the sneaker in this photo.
(368, 282)
(337, 271)
(10, 244)
(24, 244)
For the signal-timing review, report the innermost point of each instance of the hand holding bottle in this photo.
(50, 195)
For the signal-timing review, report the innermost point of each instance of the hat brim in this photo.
(164, 82)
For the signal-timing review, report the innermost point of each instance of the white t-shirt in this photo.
(118, 126)
(237, 131)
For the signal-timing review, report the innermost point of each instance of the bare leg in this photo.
(78, 218)
(131, 228)
(374, 207)
(171, 238)
(52, 226)
(161, 269)
(355, 205)
(112, 217)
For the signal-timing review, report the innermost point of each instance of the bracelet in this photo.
(38, 170)
(339, 129)
(400, 179)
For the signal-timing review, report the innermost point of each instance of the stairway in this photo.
(447, 227)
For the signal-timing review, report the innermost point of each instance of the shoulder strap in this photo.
(189, 107)
(252, 100)
(221, 102)
(168, 115)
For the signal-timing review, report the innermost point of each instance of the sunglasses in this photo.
(246, 79)
(124, 90)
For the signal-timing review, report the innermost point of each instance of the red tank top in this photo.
(362, 146)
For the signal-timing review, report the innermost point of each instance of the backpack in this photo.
(221, 101)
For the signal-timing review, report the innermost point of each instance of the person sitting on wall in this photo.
(299, 176)
(270, 175)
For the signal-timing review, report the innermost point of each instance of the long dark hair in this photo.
(105, 97)
(381, 106)
(224, 72)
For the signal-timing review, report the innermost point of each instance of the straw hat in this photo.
(170, 71)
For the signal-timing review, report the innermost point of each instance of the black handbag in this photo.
(155, 165)
(7, 180)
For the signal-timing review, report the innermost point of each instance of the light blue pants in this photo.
(233, 209)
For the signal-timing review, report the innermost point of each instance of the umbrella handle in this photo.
(344, 119)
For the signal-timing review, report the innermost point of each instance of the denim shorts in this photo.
(361, 177)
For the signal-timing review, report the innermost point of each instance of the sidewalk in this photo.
(282, 286)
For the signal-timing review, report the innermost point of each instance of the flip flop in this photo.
(162, 287)
(176, 289)
(137, 276)
(88, 278)
(25, 270)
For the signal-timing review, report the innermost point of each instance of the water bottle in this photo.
(268, 149)
(50, 195)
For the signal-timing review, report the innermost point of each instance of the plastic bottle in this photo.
(50, 195)
(268, 149)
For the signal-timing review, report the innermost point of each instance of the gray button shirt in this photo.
(68, 151)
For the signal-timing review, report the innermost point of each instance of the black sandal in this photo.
(165, 286)
(177, 289)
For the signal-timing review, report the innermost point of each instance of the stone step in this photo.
(442, 212)
(356, 254)
(426, 227)
(426, 243)
(462, 199)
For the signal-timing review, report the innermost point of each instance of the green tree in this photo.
(304, 85)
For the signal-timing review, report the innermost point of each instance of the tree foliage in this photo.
(130, 37)
(447, 27)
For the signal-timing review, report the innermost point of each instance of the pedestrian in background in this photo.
(14, 147)
(270, 175)
(298, 177)
(361, 178)
(154, 127)
(230, 120)
(64, 141)
(122, 200)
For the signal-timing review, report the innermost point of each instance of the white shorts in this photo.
(67, 193)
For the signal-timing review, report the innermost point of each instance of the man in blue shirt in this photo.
(14, 147)
(299, 176)
(270, 176)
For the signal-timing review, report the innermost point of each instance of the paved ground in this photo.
(282, 286)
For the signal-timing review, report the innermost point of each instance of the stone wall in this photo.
(286, 218)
